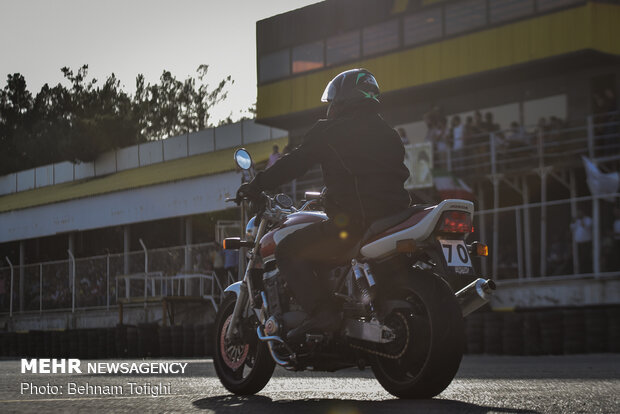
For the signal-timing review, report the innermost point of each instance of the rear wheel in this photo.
(429, 339)
(244, 367)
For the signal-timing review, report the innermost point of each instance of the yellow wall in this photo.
(592, 26)
(184, 168)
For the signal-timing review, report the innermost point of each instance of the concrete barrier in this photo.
(8, 184)
(25, 180)
(44, 176)
(128, 158)
(175, 148)
(151, 153)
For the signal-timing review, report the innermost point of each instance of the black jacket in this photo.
(362, 162)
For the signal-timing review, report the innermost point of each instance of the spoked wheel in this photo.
(429, 339)
(243, 368)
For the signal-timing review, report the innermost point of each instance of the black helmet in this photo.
(351, 89)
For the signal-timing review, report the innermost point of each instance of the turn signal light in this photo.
(235, 243)
(482, 249)
(478, 249)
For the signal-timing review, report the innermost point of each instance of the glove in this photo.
(249, 191)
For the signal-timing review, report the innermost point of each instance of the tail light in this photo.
(455, 222)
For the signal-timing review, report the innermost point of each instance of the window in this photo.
(502, 10)
(307, 57)
(464, 16)
(544, 5)
(547, 107)
(421, 27)
(274, 66)
(343, 47)
(380, 37)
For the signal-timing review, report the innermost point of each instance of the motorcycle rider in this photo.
(361, 158)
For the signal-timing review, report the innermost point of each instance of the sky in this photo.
(128, 37)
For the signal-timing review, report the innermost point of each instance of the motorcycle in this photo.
(396, 290)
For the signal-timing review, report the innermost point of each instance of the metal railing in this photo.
(99, 281)
(527, 148)
(524, 247)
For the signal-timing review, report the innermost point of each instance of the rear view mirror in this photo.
(243, 159)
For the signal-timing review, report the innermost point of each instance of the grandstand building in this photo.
(153, 208)
(535, 85)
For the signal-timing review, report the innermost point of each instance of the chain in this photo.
(384, 355)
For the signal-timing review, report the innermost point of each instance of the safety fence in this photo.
(540, 239)
(103, 281)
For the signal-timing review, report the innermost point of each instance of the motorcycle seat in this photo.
(390, 224)
(385, 226)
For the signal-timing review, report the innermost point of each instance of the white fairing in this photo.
(419, 232)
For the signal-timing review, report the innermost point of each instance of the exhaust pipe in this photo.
(475, 295)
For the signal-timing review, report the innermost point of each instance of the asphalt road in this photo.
(484, 384)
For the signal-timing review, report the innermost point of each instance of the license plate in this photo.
(455, 253)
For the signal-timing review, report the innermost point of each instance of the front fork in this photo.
(244, 299)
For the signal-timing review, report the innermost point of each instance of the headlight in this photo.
(250, 230)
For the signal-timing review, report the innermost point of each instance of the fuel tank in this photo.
(292, 223)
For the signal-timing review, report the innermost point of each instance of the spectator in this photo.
(217, 259)
(403, 136)
(231, 262)
(617, 238)
(468, 130)
(478, 125)
(558, 256)
(581, 228)
(479, 148)
(433, 132)
(457, 132)
(275, 156)
(555, 129)
(516, 136)
(443, 136)
(600, 105)
(489, 124)
(555, 123)
(542, 126)
(431, 119)
(611, 102)
(422, 169)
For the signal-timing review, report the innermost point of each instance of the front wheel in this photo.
(426, 319)
(243, 367)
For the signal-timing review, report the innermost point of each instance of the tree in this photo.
(81, 121)
(15, 105)
(173, 107)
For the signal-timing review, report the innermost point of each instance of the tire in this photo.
(430, 360)
(248, 373)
